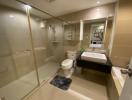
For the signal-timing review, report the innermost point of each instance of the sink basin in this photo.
(95, 57)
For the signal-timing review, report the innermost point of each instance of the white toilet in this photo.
(67, 64)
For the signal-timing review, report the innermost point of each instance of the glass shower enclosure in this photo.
(31, 48)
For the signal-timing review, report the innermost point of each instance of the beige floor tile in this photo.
(19, 88)
(80, 89)
(89, 89)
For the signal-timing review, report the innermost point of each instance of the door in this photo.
(127, 90)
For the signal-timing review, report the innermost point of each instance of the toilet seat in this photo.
(67, 64)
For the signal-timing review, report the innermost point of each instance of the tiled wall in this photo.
(56, 40)
(88, 15)
(16, 58)
(40, 40)
(14, 43)
(122, 46)
(91, 13)
(75, 43)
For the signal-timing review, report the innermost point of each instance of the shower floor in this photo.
(21, 87)
(80, 89)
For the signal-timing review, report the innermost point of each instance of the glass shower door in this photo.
(17, 70)
(47, 35)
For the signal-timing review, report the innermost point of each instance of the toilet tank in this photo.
(71, 55)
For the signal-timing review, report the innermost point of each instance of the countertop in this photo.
(119, 78)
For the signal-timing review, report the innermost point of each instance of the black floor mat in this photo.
(61, 82)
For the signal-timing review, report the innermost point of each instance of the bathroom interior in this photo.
(87, 43)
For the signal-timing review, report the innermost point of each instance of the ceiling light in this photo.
(11, 16)
(43, 24)
(98, 2)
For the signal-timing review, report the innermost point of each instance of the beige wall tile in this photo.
(122, 50)
(90, 14)
(14, 38)
(41, 55)
(122, 46)
(39, 34)
(7, 70)
(24, 63)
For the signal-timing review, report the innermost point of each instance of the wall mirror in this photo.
(96, 34)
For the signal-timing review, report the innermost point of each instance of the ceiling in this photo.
(61, 7)
(21, 7)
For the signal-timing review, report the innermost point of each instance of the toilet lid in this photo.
(66, 64)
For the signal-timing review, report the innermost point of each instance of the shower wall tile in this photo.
(16, 59)
(13, 38)
(24, 63)
(4, 43)
(41, 55)
(7, 70)
(55, 40)
(17, 31)
(39, 34)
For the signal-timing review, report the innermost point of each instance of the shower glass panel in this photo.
(17, 70)
(47, 35)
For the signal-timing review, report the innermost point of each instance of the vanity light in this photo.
(81, 30)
